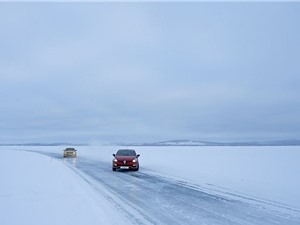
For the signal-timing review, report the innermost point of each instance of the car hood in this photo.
(127, 158)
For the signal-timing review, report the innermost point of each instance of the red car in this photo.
(126, 159)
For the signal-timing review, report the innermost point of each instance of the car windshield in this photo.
(126, 152)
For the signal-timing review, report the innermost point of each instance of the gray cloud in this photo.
(108, 71)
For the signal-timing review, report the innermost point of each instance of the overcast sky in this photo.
(104, 72)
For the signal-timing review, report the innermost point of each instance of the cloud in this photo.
(104, 71)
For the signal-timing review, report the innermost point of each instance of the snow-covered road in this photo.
(149, 197)
(159, 200)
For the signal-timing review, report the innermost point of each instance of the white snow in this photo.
(271, 173)
(37, 189)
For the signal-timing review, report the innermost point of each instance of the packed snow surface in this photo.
(175, 185)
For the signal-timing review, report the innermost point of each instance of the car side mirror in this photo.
(138, 155)
(114, 155)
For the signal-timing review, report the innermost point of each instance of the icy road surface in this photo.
(147, 198)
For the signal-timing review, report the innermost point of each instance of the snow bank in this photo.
(36, 189)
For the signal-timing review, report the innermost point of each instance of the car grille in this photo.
(69, 153)
(124, 163)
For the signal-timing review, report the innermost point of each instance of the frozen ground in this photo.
(175, 185)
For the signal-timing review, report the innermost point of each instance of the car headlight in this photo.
(135, 160)
(115, 160)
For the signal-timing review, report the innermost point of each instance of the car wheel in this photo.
(114, 169)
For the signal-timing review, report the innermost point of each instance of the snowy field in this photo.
(39, 187)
